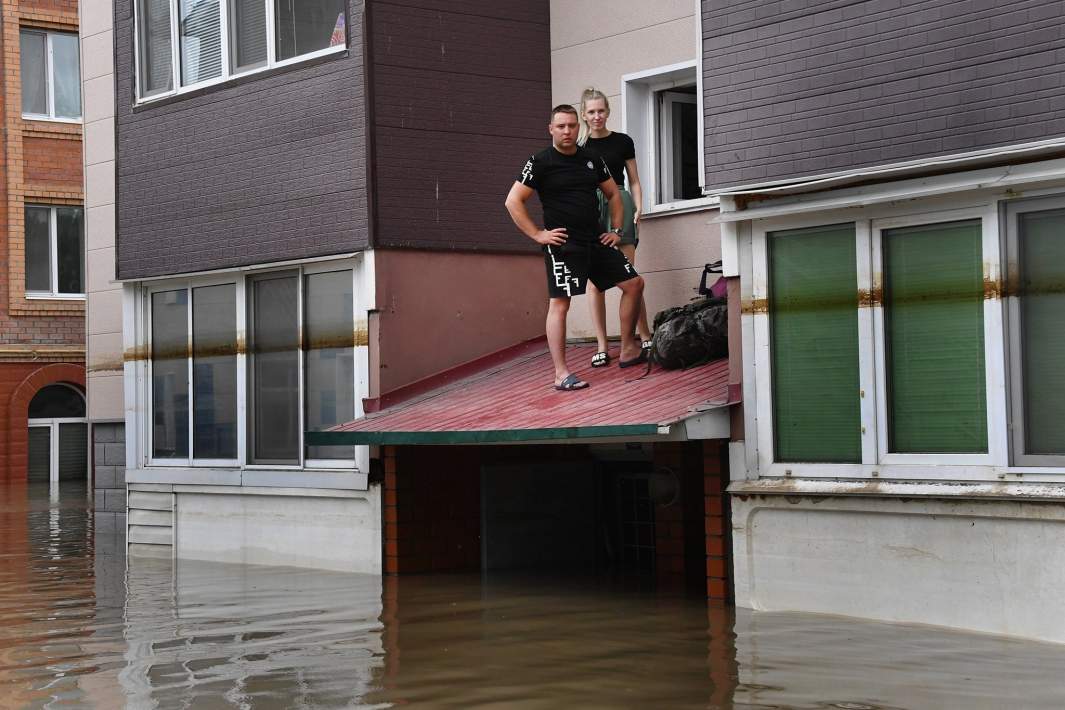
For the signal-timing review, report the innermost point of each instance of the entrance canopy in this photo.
(510, 399)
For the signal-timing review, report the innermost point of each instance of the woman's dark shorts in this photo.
(572, 265)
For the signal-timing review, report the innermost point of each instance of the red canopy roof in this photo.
(512, 399)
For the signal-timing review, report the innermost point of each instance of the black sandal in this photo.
(601, 359)
(570, 383)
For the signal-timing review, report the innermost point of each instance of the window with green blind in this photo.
(813, 321)
(934, 338)
(1041, 295)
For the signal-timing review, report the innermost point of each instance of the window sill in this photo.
(213, 85)
(55, 297)
(697, 205)
(39, 118)
(262, 478)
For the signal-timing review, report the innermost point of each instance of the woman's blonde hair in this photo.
(589, 94)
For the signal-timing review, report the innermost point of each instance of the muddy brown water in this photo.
(81, 628)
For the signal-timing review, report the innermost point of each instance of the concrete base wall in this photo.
(991, 566)
(328, 530)
(109, 477)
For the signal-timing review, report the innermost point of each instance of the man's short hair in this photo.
(562, 108)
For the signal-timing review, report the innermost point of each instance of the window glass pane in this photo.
(38, 250)
(247, 27)
(934, 329)
(40, 454)
(685, 152)
(33, 48)
(56, 402)
(1042, 301)
(813, 319)
(329, 363)
(305, 26)
(274, 351)
(200, 36)
(73, 452)
(214, 372)
(156, 74)
(70, 249)
(170, 375)
(66, 71)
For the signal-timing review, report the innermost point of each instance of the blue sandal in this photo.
(570, 383)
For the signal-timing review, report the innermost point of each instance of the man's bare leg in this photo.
(642, 327)
(631, 297)
(557, 309)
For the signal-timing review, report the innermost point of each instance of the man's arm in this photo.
(617, 211)
(516, 199)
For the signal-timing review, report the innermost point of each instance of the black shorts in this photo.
(570, 266)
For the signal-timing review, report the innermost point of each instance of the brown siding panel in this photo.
(461, 96)
(809, 87)
(262, 169)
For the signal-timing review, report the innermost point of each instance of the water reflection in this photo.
(78, 628)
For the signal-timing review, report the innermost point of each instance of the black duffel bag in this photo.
(690, 335)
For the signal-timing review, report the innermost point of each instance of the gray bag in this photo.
(686, 336)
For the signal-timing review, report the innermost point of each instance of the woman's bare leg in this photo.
(597, 306)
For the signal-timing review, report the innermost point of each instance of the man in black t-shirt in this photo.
(566, 177)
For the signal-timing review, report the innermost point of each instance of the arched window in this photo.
(57, 402)
(58, 436)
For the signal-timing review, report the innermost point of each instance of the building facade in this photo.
(892, 188)
(306, 219)
(43, 429)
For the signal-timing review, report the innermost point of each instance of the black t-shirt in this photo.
(566, 185)
(615, 149)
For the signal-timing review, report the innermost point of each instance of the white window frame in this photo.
(876, 460)
(50, 76)
(1011, 212)
(227, 71)
(53, 256)
(640, 120)
(243, 460)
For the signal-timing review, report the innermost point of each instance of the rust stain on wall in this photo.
(870, 298)
(754, 306)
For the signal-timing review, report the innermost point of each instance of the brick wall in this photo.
(817, 86)
(109, 477)
(40, 162)
(461, 93)
(19, 382)
(718, 537)
(260, 169)
(432, 509)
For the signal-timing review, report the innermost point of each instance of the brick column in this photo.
(718, 553)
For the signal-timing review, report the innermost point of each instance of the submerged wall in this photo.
(993, 566)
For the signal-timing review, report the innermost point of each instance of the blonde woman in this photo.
(619, 153)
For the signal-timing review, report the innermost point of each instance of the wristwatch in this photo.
(617, 231)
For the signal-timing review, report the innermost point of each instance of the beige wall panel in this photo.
(104, 313)
(96, 55)
(95, 16)
(100, 184)
(100, 227)
(602, 63)
(99, 98)
(582, 21)
(105, 352)
(100, 265)
(100, 141)
(679, 241)
(105, 396)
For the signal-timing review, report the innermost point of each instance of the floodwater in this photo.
(81, 628)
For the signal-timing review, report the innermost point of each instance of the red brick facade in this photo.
(42, 341)
(19, 382)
